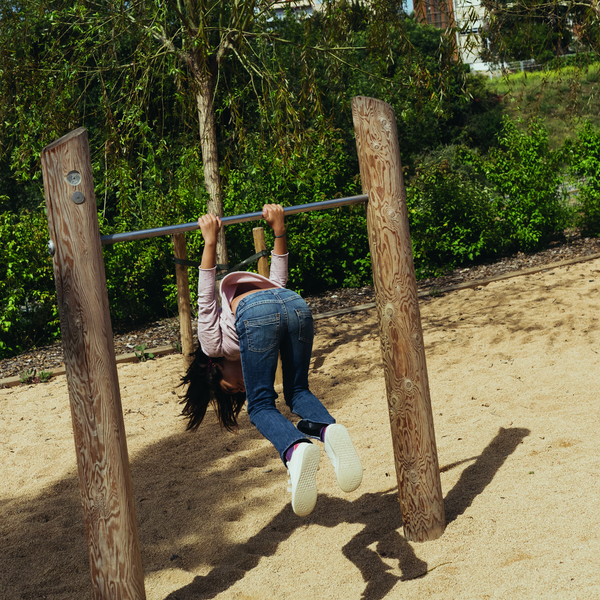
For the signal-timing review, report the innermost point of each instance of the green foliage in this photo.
(452, 220)
(585, 166)
(142, 355)
(27, 376)
(527, 29)
(44, 376)
(326, 248)
(478, 122)
(141, 274)
(563, 96)
(433, 98)
(28, 311)
(463, 206)
(284, 134)
(32, 376)
(526, 177)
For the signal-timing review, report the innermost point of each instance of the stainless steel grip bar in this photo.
(254, 216)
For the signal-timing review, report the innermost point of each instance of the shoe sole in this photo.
(304, 492)
(343, 457)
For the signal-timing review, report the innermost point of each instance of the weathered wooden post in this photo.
(407, 384)
(102, 460)
(183, 300)
(259, 245)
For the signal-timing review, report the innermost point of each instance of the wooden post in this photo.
(183, 300)
(406, 380)
(259, 245)
(263, 269)
(101, 448)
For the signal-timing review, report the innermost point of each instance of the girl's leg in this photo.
(279, 319)
(296, 350)
(261, 323)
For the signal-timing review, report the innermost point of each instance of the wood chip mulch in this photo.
(166, 332)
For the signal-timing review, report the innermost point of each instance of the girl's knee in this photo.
(258, 406)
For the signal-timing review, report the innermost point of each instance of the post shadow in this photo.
(475, 478)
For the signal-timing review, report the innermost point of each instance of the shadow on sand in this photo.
(380, 515)
(166, 478)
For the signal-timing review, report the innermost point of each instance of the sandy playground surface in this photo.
(514, 377)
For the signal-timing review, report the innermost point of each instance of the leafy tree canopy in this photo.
(539, 29)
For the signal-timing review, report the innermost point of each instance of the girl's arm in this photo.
(210, 225)
(209, 330)
(274, 216)
(210, 335)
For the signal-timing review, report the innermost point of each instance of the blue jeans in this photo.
(269, 322)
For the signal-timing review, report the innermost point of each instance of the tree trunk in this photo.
(204, 79)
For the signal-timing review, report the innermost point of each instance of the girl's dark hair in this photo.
(203, 379)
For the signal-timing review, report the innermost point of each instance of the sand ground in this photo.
(514, 377)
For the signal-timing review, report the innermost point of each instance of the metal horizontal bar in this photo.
(254, 216)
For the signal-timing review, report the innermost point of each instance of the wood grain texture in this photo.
(183, 300)
(259, 245)
(100, 445)
(402, 348)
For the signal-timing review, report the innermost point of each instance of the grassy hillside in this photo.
(562, 98)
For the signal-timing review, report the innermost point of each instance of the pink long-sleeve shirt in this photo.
(216, 326)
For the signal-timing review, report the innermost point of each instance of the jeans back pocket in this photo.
(262, 333)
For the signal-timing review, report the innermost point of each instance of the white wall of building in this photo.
(470, 18)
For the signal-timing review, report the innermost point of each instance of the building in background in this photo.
(302, 7)
(468, 18)
(439, 13)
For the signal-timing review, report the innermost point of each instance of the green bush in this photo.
(526, 175)
(585, 166)
(140, 274)
(28, 310)
(462, 207)
(452, 220)
(327, 248)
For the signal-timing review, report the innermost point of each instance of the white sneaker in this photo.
(302, 470)
(343, 457)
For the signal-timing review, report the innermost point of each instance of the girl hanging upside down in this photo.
(237, 361)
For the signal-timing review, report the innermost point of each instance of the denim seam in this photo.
(257, 303)
(247, 326)
(246, 302)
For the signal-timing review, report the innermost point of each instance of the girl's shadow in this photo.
(380, 515)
